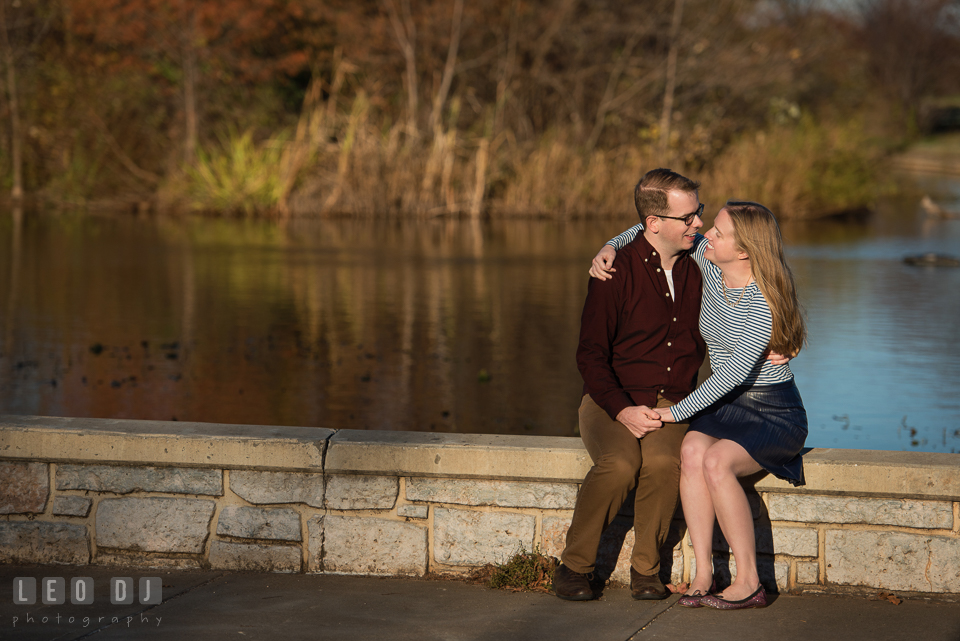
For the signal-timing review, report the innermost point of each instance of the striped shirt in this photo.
(737, 332)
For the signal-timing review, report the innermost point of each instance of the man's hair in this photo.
(650, 194)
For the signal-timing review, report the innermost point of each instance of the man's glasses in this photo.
(688, 219)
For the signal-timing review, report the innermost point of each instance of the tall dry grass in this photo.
(800, 170)
(354, 163)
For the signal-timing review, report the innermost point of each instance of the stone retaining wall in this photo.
(285, 499)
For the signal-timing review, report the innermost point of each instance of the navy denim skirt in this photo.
(768, 421)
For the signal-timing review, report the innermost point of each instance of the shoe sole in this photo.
(576, 597)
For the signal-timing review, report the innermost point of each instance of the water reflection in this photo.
(443, 326)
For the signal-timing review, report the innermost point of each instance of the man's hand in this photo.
(640, 420)
(602, 263)
(775, 358)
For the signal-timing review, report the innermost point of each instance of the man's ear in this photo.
(652, 223)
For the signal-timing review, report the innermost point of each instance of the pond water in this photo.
(441, 325)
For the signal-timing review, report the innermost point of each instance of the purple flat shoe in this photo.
(691, 600)
(756, 600)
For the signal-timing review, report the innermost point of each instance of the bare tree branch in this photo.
(449, 68)
(667, 114)
(406, 35)
(115, 147)
(612, 80)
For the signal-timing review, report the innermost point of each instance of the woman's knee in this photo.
(691, 456)
(692, 452)
(716, 466)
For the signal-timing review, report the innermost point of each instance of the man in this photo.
(640, 348)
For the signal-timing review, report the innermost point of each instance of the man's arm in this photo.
(603, 262)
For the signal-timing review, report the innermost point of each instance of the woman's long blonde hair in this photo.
(757, 233)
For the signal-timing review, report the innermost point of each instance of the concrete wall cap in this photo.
(546, 458)
(930, 476)
(923, 475)
(121, 441)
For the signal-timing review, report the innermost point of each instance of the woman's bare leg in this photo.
(723, 463)
(698, 509)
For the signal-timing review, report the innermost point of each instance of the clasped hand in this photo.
(641, 420)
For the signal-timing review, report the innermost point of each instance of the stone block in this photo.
(368, 545)
(796, 541)
(24, 487)
(782, 573)
(808, 572)
(141, 560)
(465, 537)
(837, 509)
(154, 524)
(281, 524)
(38, 542)
(793, 541)
(124, 480)
(360, 492)
(411, 511)
(893, 560)
(253, 557)
(65, 505)
(548, 496)
(315, 544)
(278, 487)
(553, 534)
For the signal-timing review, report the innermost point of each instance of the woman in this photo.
(748, 415)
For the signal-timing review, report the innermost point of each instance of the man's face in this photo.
(676, 235)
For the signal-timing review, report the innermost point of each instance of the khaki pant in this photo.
(621, 462)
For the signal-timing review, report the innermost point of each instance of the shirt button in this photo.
(674, 320)
(658, 270)
(669, 344)
(644, 260)
(668, 294)
(663, 391)
(668, 369)
(653, 253)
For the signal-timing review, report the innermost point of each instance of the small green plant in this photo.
(240, 176)
(525, 571)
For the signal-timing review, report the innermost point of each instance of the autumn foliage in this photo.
(446, 107)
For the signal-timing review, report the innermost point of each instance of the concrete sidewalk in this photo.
(220, 605)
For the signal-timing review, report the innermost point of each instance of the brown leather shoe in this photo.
(646, 588)
(571, 585)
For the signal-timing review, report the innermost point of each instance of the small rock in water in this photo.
(932, 260)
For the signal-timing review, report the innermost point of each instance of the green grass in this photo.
(240, 176)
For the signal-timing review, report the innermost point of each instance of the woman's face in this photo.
(721, 244)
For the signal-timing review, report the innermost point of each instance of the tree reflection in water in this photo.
(447, 326)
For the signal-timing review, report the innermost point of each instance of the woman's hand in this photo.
(775, 358)
(602, 263)
(666, 415)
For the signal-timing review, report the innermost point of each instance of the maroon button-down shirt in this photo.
(636, 341)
